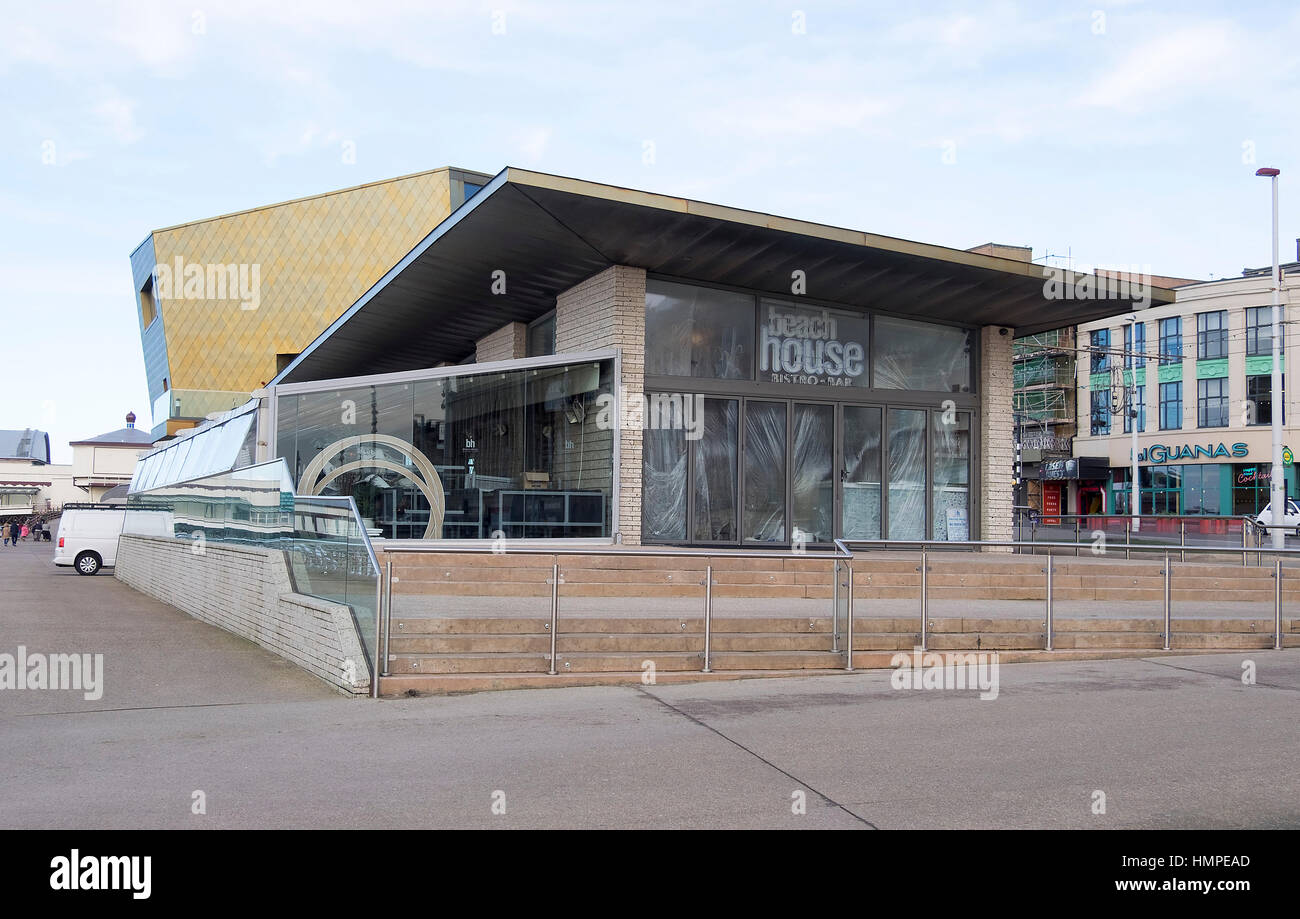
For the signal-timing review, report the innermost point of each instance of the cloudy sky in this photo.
(1120, 134)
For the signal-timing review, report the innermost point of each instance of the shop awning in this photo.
(548, 233)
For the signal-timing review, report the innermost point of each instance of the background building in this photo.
(225, 303)
(1204, 405)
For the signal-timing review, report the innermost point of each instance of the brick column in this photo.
(997, 433)
(608, 311)
(509, 342)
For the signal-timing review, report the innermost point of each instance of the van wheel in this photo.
(87, 563)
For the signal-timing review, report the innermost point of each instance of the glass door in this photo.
(764, 471)
(861, 495)
(906, 492)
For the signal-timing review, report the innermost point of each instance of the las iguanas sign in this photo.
(1164, 453)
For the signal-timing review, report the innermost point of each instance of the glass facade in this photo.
(1198, 489)
(522, 453)
(879, 446)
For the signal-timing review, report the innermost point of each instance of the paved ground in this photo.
(1176, 743)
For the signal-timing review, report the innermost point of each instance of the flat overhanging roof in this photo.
(548, 233)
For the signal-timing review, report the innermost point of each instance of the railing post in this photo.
(1245, 530)
(708, 615)
(835, 606)
(379, 621)
(848, 627)
(1128, 536)
(1048, 624)
(925, 611)
(555, 612)
(1277, 604)
(1076, 537)
(388, 610)
(1182, 540)
(1033, 538)
(1168, 601)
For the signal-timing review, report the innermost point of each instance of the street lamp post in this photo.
(1277, 484)
(1136, 360)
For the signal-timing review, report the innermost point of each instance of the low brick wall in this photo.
(249, 591)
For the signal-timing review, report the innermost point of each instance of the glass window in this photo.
(1100, 412)
(950, 514)
(698, 332)
(1171, 340)
(813, 488)
(1212, 403)
(907, 491)
(1250, 487)
(1171, 406)
(861, 490)
(715, 473)
(765, 452)
(1212, 335)
(1259, 399)
(1259, 331)
(541, 336)
(811, 345)
(1138, 407)
(1100, 343)
(921, 356)
(1135, 345)
(663, 505)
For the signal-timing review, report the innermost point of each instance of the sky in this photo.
(1121, 134)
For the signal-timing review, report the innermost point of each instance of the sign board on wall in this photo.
(1051, 504)
(811, 345)
(958, 525)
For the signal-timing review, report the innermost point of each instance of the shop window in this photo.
(950, 513)
(1212, 403)
(1212, 335)
(1259, 399)
(1259, 331)
(1250, 488)
(1100, 343)
(698, 332)
(907, 486)
(921, 356)
(1100, 414)
(1171, 406)
(1171, 340)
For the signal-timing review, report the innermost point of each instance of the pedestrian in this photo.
(11, 533)
(4, 531)
(25, 532)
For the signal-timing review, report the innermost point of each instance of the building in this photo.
(107, 461)
(225, 303)
(1203, 369)
(561, 359)
(29, 482)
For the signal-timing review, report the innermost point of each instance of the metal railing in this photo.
(1158, 530)
(843, 553)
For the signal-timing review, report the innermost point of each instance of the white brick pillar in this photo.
(997, 433)
(608, 311)
(509, 342)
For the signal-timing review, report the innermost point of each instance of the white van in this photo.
(87, 537)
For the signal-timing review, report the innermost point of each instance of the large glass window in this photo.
(812, 493)
(950, 513)
(919, 355)
(907, 485)
(715, 474)
(1250, 488)
(663, 499)
(1259, 331)
(524, 454)
(1212, 335)
(1201, 489)
(1100, 343)
(765, 471)
(698, 332)
(1171, 340)
(811, 345)
(1212, 403)
(1171, 406)
(1259, 399)
(1100, 413)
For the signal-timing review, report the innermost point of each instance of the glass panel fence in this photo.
(329, 553)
